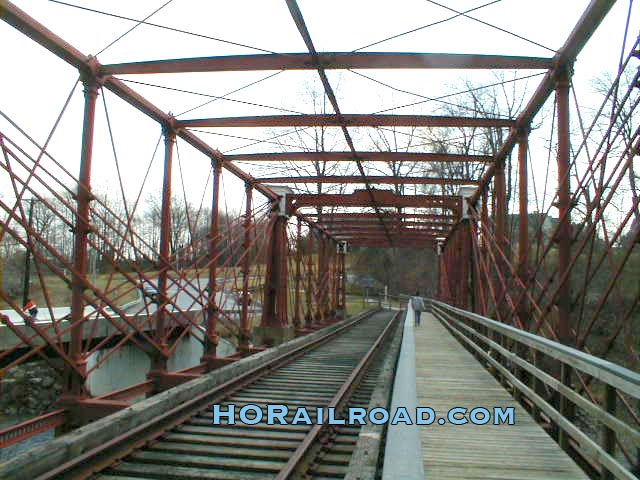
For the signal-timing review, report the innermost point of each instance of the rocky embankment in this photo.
(29, 389)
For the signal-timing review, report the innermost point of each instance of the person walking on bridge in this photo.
(418, 306)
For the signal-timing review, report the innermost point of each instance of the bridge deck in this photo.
(448, 376)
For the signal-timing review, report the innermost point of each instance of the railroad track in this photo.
(337, 370)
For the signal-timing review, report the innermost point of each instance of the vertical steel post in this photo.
(500, 216)
(467, 259)
(282, 297)
(320, 281)
(212, 313)
(74, 385)
(274, 305)
(501, 205)
(440, 272)
(484, 221)
(563, 236)
(296, 302)
(343, 291)
(342, 281)
(159, 360)
(309, 284)
(245, 327)
(523, 224)
(333, 277)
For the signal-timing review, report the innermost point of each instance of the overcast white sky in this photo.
(34, 83)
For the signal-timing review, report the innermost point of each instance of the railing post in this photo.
(159, 360)
(563, 236)
(608, 434)
(212, 313)
(74, 388)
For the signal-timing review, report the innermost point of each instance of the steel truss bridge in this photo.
(542, 312)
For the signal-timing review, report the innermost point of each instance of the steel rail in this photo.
(100, 457)
(297, 459)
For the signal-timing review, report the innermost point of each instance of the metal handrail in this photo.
(617, 376)
(503, 353)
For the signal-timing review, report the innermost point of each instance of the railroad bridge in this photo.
(527, 313)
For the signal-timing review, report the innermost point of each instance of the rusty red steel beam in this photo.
(397, 222)
(29, 428)
(381, 179)
(386, 198)
(397, 243)
(379, 235)
(350, 236)
(385, 216)
(361, 156)
(595, 12)
(400, 230)
(350, 120)
(328, 61)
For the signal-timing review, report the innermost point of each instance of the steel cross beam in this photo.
(386, 198)
(357, 156)
(372, 233)
(396, 244)
(400, 232)
(394, 227)
(328, 60)
(382, 236)
(329, 225)
(387, 216)
(351, 120)
(382, 179)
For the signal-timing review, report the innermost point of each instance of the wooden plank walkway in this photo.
(448, 376)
